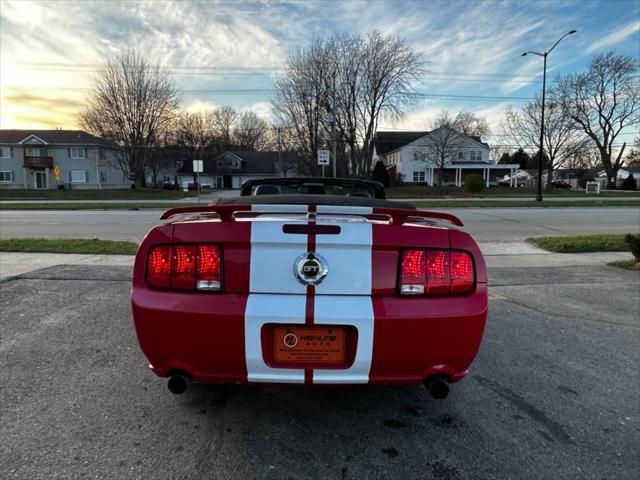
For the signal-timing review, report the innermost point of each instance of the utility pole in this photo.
(333, 129)
(279, 149)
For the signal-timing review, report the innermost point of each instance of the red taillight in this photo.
(208, 268)
(159, 267)
(438, 278)
(185, 267)
(435, 272)
(462, 273)
(413, 274)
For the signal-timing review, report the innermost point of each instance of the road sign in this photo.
(197, 166)
(592, 187)
(56, 173)
(323, 157)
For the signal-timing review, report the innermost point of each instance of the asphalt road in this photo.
(554, 393)
(486, 224)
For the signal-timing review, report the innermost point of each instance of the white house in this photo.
(411, 157)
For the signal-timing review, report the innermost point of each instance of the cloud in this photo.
(614, 38)
(473, 48)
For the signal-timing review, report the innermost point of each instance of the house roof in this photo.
(52, 137)
(253, 163)
(386, 142)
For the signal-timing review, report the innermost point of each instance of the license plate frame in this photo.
(310, 344)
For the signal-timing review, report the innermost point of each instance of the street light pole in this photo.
(544, 55)
(541, 149)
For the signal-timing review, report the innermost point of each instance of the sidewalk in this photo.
(17, 263)
(497, 255)
(527, 198)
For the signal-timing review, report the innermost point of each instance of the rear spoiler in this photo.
(398, 216)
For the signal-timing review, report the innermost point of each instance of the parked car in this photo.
(561, 184)
(170, 186)
(519, 182)
(194, 186)
(309, 288)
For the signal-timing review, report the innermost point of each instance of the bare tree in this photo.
(603, 101)
(359, 80)
(251, 132)
(132, 100)
(224, 120)
(157, 157)
(442, 144)
(392, 66)
(300, 100)
(193, 133)
(632, 159)
(469, 124)
(562, 139)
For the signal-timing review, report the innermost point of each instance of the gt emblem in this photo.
(310, 268)
(290, 340)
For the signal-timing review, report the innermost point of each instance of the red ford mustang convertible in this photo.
(310, 281)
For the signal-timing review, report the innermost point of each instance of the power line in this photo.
(242, 70)
(267, 91)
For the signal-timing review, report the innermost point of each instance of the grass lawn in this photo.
(582, 243)
(106, 247)
(128, 194)
(422, 191)
(485, 203)
(626, 264)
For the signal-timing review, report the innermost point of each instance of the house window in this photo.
(77, 152)
(6, 176)
(167, 179)
(460, 155)
(475, 155)
(79, 176)
(419, 176)
(103, 177)
(5, 152)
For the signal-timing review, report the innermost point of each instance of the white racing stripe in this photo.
(263, 309)
(353, 310)
(349, 259)
(343, 298)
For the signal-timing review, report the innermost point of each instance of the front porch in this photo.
(454, 174)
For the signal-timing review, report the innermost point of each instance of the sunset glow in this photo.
(228, 53)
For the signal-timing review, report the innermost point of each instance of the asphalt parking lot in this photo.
(554, 393)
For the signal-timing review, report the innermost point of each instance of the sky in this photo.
(229, 52)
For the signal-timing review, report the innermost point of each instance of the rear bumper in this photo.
(218, 338)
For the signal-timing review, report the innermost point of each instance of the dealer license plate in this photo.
(309, 344)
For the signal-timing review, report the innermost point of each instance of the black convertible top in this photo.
(371, 186)
(304, 199)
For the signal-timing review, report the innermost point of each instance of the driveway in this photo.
(554, 393)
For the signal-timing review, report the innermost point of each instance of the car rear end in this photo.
(223, 296)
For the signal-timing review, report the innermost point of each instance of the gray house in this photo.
(30, 159)
(232, 168)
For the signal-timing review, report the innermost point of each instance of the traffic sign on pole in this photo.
(323, 157)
